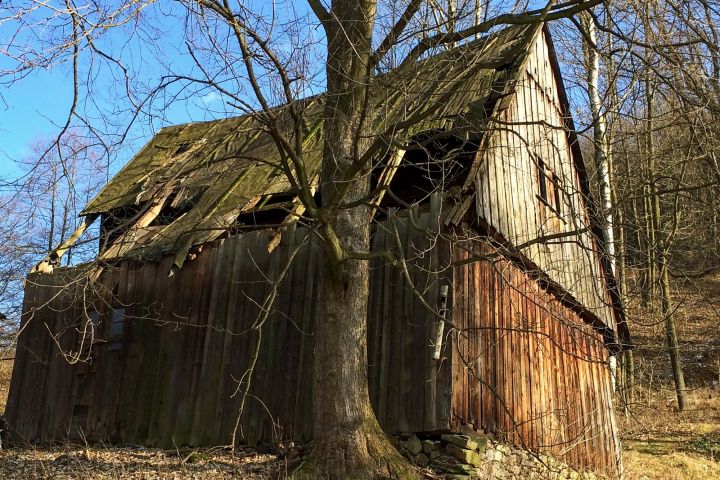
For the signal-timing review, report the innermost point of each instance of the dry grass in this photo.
(5, 372)
(660, 443)
(671, 466)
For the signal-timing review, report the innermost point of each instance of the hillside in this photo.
(659, 442)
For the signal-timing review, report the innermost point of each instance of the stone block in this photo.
(413, 445)
(430, 446)
(464, 455)
(462, 441)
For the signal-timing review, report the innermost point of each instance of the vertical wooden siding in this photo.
(190, 339)
(532, 128)
(524, 365)
(527, 367)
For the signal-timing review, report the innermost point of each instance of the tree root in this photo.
(364, 453)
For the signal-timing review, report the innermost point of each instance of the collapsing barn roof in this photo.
(210, 174)
(223, 168)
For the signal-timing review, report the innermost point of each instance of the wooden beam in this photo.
(294, 215)
(48, 263)
(386, 177)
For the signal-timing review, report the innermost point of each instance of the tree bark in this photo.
(600, 142)
(348, 440)
(670, 333)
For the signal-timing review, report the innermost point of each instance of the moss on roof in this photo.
(223, 166)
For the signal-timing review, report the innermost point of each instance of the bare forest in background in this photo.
(643, 79)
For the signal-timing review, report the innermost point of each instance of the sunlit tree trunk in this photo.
(348, 441)
(600, 140)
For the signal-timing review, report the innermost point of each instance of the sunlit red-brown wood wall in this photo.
(527, 367)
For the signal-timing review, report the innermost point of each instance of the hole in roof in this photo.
(175, 207)
(182, 148)
(434, 161)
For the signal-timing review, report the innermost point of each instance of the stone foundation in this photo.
(467, 457)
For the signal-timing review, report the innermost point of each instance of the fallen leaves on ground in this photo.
(100, 463)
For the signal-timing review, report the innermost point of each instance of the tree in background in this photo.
(650, 72)
(40, 208)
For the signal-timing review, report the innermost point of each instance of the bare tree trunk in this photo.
(600, 141)
(630, 378)
(348, 441)
(451, 16)
(650, 281)
(652, 215)
(715, 204)
(670, 333)
(478, 15)
(53, 202)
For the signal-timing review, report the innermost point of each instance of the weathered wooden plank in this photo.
(127, 403)
(418, 320)
(294, 331)
(443, 377)
(280, 327)
(428, 364)
(257, 341)
(202, 433)
(160, 400)
(198, 317)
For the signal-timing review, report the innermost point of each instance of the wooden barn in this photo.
(152, 343)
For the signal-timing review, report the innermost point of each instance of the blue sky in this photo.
(28, 110)
(37, 105)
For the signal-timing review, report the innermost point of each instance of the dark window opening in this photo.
(80, 410)
(117, 327)
(549, 187)
(542, 180)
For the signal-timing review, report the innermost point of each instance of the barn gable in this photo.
(531, 188)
